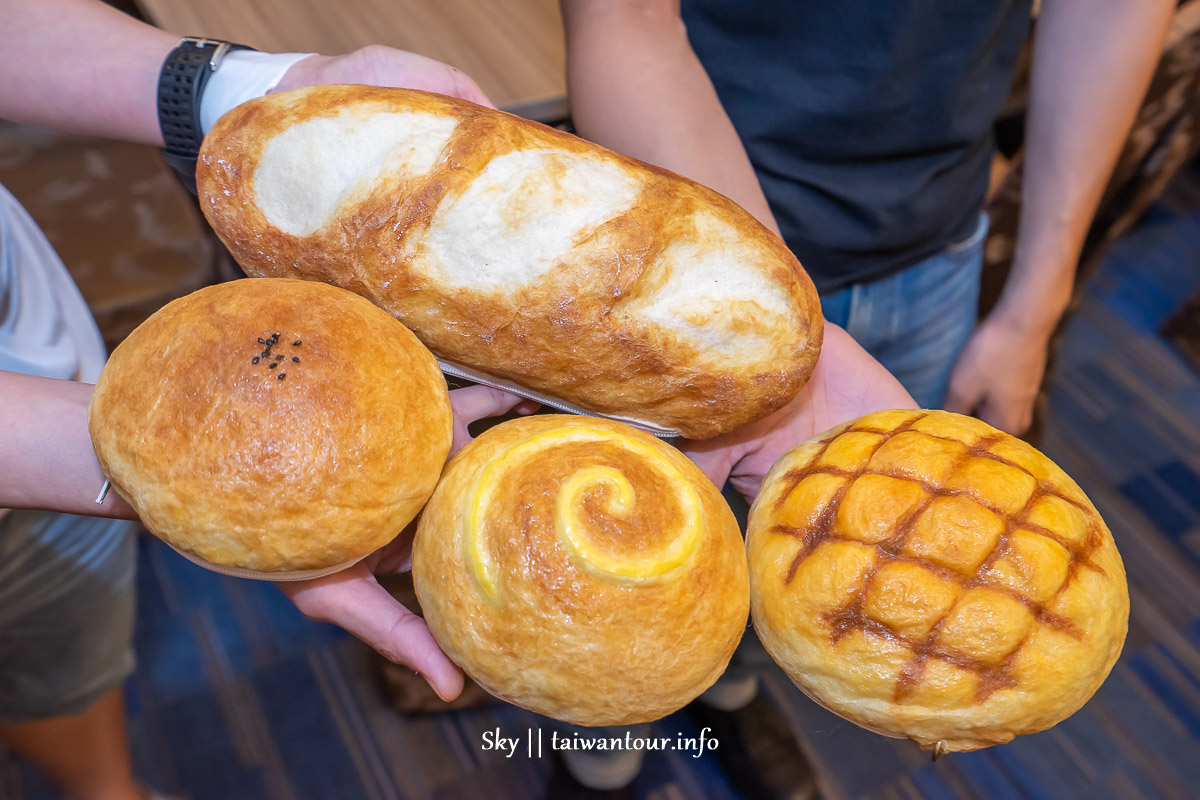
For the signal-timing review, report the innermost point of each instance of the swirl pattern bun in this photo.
(272, 425)
(510, 248)
(582, 569)
(926, 575)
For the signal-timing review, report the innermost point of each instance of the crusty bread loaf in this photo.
(582, 569)
(519, 251)
(272, 425)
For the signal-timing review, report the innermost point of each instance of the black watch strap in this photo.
(181, 83)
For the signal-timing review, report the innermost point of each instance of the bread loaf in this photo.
(582, 569)
(519, 251)
(274, 426)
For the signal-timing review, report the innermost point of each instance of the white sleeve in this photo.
(242, 75)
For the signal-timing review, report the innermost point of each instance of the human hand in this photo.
(998, 375)
(354, 600)
(846, 384)
(378, 65)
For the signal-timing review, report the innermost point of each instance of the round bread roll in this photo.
(272, 425)
(582, 569)
(928, 576)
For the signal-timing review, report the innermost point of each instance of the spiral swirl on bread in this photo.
(582, 569)
(618, 502)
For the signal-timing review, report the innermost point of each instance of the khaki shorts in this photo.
(66, 612)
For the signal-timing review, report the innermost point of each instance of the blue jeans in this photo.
(917, 321)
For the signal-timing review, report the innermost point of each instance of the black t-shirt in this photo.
(868, 121)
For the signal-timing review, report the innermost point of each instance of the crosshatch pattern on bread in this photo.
(927, 575)
(582, 569)
(518, 250)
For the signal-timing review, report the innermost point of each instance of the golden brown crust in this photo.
(553, 596)
(615, 326)
(254, 452)
(926, 575)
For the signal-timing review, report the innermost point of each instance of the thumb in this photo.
(466, 88)
(354, 600)
(966, 391)
(714, 462)
(480, 402)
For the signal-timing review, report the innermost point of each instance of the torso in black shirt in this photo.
(868, 122)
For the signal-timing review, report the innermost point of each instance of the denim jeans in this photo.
(917, 321)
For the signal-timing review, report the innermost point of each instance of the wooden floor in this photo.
(237, 696)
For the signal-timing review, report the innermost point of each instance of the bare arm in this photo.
(46, 456)
(78, 65)
(81, 66)
(637, 87)
(1093, 60)
(84, 67)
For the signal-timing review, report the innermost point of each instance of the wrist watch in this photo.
(181, 83)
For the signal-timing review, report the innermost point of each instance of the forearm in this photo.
(637, 87)
(81, 66)
(1092, 64)
(46, 456)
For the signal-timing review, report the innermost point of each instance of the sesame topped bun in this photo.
(272, 425)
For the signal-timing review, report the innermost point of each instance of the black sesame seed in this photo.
(282, 375)
(296, 343)
(275, 337)
(295, 360)
(254, 360)
(273, 365)
(262, 340)
(279, 358)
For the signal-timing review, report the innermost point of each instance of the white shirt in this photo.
(45, 326)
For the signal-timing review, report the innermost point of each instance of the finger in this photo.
(1011, 415)
(714, 463)
(988, 411)
(353, 600)
(395, 557)
(1022, 425)
(964, 394)
(479, 402)
(748, 486)
(466, 88)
